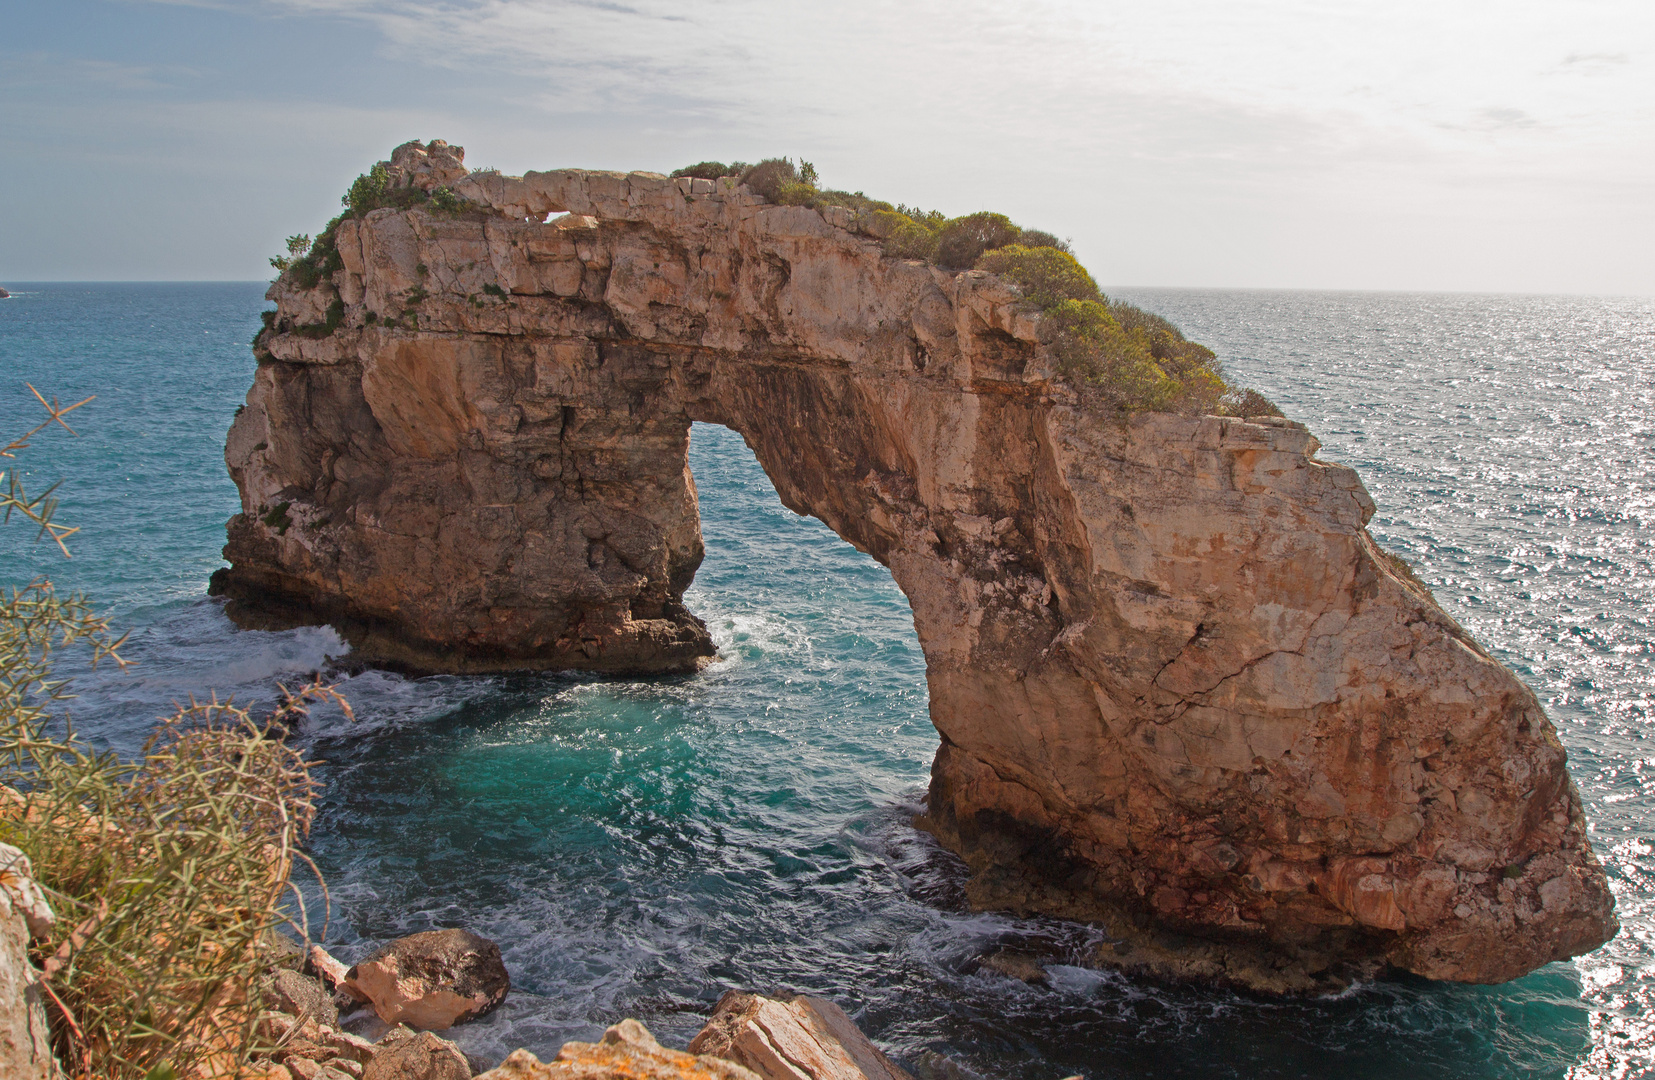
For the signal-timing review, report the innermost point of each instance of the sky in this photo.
(1456, 145)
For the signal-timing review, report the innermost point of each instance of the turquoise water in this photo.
(637, 847)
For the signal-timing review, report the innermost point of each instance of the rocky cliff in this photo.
(1178, 686)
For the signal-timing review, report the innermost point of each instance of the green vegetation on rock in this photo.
(311, 263)
(1130, 359)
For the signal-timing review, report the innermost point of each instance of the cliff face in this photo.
(1177, 684)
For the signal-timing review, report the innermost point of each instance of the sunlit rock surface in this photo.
(1180, 690)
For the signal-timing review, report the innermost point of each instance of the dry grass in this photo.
(168, 872)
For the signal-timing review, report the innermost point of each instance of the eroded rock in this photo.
(1178, 685)
(806, 1038)
(628, 1052)
(299, 995)
(422, 1056)
(25, 1033)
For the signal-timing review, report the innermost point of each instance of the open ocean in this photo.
(639, 847)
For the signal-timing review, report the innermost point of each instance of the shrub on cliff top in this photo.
(1042, 238)
(961, 241)
(318, 261)
(770, 176)
(1047, 275)
(706, 170)
(1139, 364)
(1248, 402)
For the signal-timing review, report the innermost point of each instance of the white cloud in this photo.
(1297, 142)
(1408, 63)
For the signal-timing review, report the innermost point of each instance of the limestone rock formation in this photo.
(25, 1033)
(299, 1046)
(1178, 686)
(628, 1052)
(420, 1057)
(806, 1038)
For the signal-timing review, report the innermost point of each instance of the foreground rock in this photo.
(421, 1057)
(300, 1047)
(1180, 689)
(431, 981)
(25, 1034)
(806, 1038)
(628, 1052)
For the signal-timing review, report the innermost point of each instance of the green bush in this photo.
(297, 247)
(795, 193)
(311, 263)
(1131, 368)
(770, 176)
(911, 240)
(368, 192)
(331, 321)
(706, 170)
(961, 241)
(1047, 275)
(1249, 402)
(444, 201)
(1041, 238)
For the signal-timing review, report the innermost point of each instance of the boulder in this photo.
(305, 1069)
(1016, 964)
(628, 1052)
(806, 1038)
(422, 1056)
(432, 980)
(300, 995)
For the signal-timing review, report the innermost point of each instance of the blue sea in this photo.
(637, 847)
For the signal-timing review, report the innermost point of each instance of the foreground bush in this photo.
(168, 873)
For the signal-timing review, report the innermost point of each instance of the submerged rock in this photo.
(1016, 964)
(1181, 690)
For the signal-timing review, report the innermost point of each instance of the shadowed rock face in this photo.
(1178, 687)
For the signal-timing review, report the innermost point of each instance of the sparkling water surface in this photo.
(639, 846)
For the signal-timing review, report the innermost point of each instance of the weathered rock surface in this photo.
(628, 1052)
(299, 995)
(25, 1035)
(433, 980)
(1178, 686)
(421, 1057)
(807, 1038)
(299, 1045)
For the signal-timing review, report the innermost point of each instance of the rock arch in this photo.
(1178, 686)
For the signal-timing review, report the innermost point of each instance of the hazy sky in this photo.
(1409, 144)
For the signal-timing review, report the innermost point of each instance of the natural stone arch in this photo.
(1177, 684)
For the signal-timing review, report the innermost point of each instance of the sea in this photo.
(639, 846)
